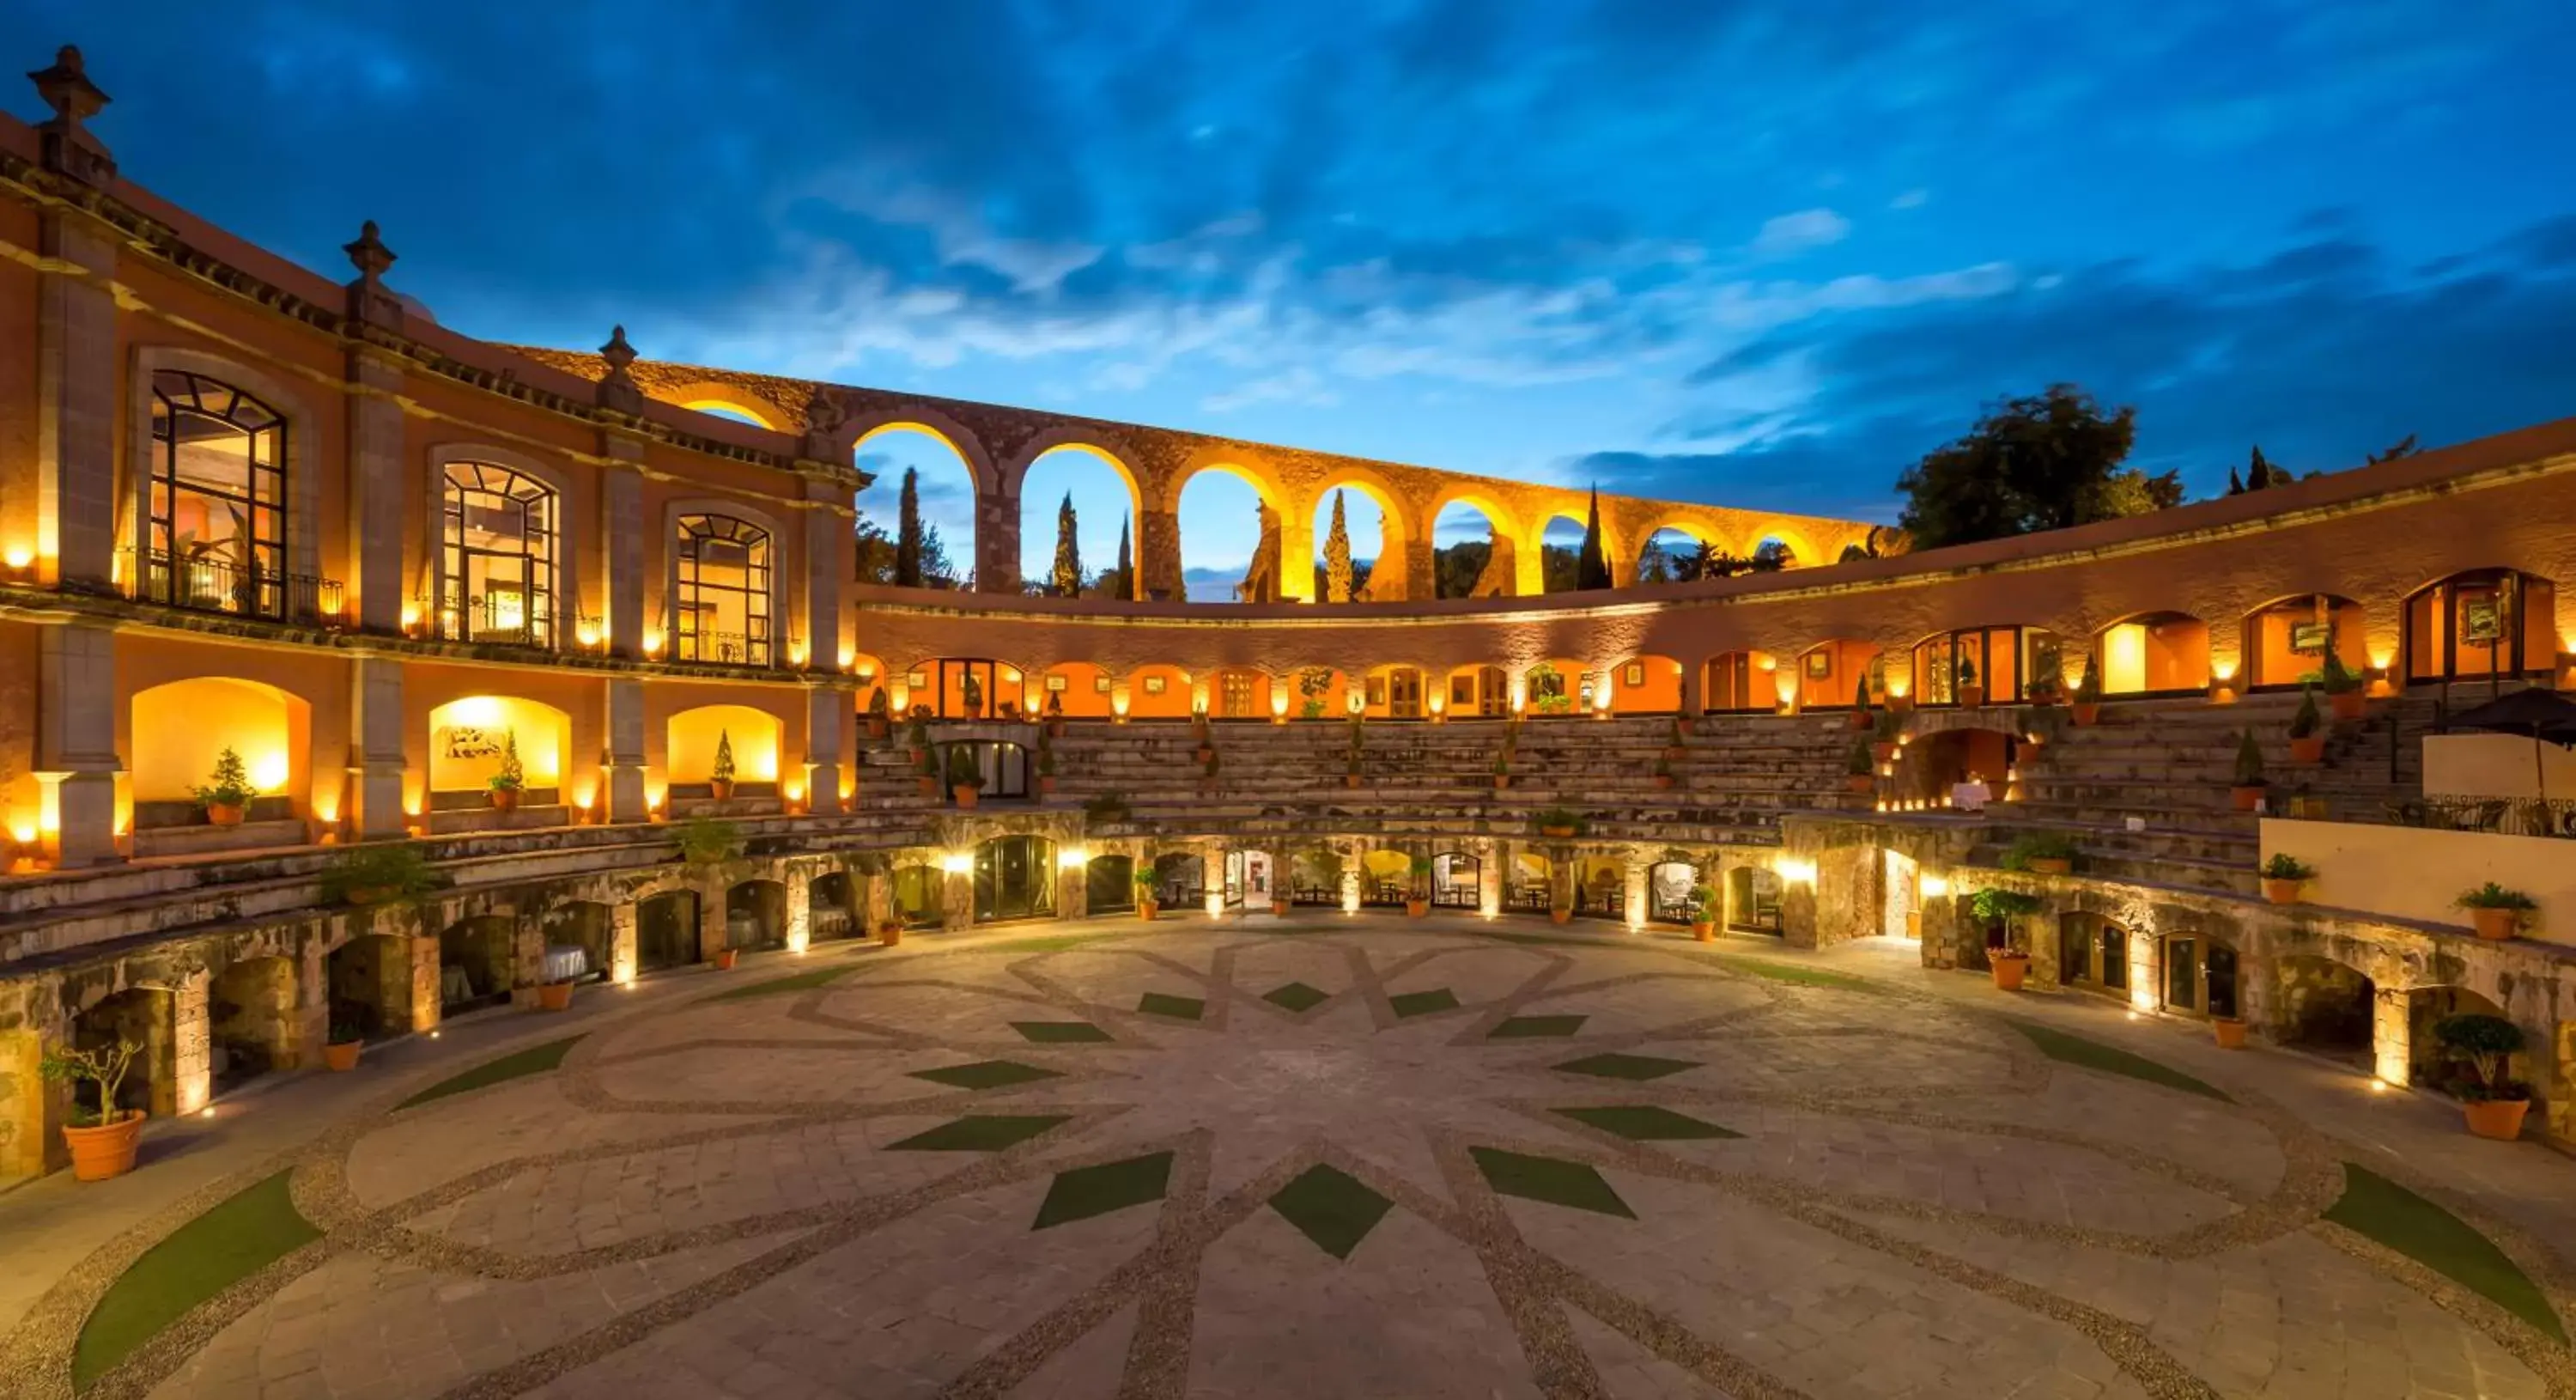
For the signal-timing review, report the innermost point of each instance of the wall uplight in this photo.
(1216, 904)
(1795, 871)
(1935, 886)
(19, 557)
(1073, 857)
(958, 862)
(586, 634)
(652, 644)
(268, 772)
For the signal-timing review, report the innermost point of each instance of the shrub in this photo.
(708, 840)
(880, 702)
(2088, 689)
(2307, 721)
(723, 770)
(1502, 763)
(2489, 1042)
(2002, 906)
(231, 784)
(1211, 763)
(2284, 866)
(1861, 762)
(513, 777)
(1143, 878)
(2249, 761)
(2038, 845)
(105, 1067)
(1563, 818)
(1703, 904)
(1107, 807)
(1663, 768)
(391, 872)
(973, 692)
(1046, 760)
(2494, 896)
(2337, 678)
(1967, 671)
(962, 769)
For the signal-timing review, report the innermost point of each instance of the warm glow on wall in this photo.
(1073, 857)
(1795, 871)
(796, 654)
(793, 792)
(958, 862)
(268, 771)
(18, 558)
(326, 809)
(1278, 703)
(586, 634)
(1935, 886)
(652, 644)
(1785, 685)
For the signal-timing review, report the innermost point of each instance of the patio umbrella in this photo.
(2546, 716)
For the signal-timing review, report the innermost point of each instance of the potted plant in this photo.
(2087, 706)
(2307, 730)
(1704, 910)
(507, 783)
(1046, 770)
(2042, 853)
(1674, 748)
(1502, 771)
(1351, 775)
(1006, 708)
(726, 958)
(2247, 791)
(1560, 903)
(1144, 882)
(1860, 715)
(1971, 694)
(2009, 964)
(1557, 823)
(227, 798)
(889, 933)
(1882, 739)
(1860, 771)
(720, 777)
(1663, 773)
(2047, 673)
(916, 734)
(2282, 876)
(965, 779)
(928, 770)
(2496, 912)
(1105, 808)
(387, 872)
(2342, 686)
(1055, 714)
(341, 1045)
(103, 1147)
(555, 994)
(972, 692)
(1417, 900)
(2494, 1102)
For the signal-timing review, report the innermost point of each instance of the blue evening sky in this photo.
(1763, 252)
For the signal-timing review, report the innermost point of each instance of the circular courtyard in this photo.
(1315, 1156)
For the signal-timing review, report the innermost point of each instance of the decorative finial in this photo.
(69, 147)
(617, 352)
(368, 253)
(370, 303)
(618, 390)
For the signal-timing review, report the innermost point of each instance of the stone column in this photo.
(76, 704)
(66, 515)
(1072, 890)
(311, 1024)
(621, 533)
(1293, 563)
(1493, 864)
(800, 909)
(1633, 896)
(527, 957)
(876, 903)
(27, 1115)
(997, 542)
(831, 716)
(424, 982)
(713, 937)
(621, 941)
(1158, 554)
(376, 537)
(2392, 1037)
(1212, 877)
(621, 767)
(190, 1047)
(823, 579)
(1354, 871)
(376, 763)
(957, 900)
(2145, 967)
(1421, 569)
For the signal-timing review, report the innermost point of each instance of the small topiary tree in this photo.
(723, 771)
(2335, 677)
(105, 1066)
(230, 786)
(2489, 1043)
(2308, 720)
(512, 776)
(2088, 688)
(2249, 761)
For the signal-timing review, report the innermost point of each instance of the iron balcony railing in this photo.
(211, 583)
(492, 619)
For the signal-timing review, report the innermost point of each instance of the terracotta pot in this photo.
(1556, 832)
(2495, 925)
(2051, 865)
(2311, 749)
(1350, 780)
(2086, 712)
(929, 785)
(1704, 931)
(1861, 783)
(1145, 910)
(1046, 785)
(1501, 781)
(2008, 969)
(342, 1056)
(1206, 753)
(1280, 906)
(1972, 697)
(721, 791)
(2229, 1030)
(725, 958)
(224, 814)
(554, 996)
(2281, 891)
(1417, 908)
(889, 933)
(2245, 798)
(2348, 704)
(879, 727)
(1883, 753)
(103, 1152)
(964, 795)
(1860, 719)
(2500, 1119)
(1663, 780)
(505, 799)
(1562, 916)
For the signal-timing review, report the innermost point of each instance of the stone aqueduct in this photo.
(998, 444)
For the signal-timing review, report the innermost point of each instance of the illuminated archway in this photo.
(1468, 531)
(949, 487)
(695, 734)
(1527, 881)
(1558, 687)
(1238, 692)
(2159, 653)
(1740, 682)
(1671, 553)
(1106, 502)
(1158, 692)
(1075, 689)
(1318, 692)
(1478, 692)
(2285, 641)
(1381, 540)
(2481, 624)
(1233, 536)
(1828, 674)
(178, 732)
(1791, 546)
(1557, 541)
(1646, 685)
(469, 743)
(1393, 692)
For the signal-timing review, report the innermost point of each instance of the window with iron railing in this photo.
(217, 514)
(497, 558)
(722, 574)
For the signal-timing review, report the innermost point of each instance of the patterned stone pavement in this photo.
(1325, 1158)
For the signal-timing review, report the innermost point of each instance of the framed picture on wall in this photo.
(1154, 685)
(1636, 673)
(1100, 685)
(2481, 620)
(918, 680)
(2308, 638)
(1056, 684)
(1820, 665)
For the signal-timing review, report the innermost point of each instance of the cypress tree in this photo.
(1337, 557)
(907, 540)
(1068, 554)
(1592, 567)
(1126, 568)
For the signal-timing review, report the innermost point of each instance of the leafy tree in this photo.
(1652, 566)
(1592, 568)
(1717, 562)
(1068, 554)
(2259, 475)
(1455, 568)
(876, 553)
(1560, 569)
(1882, 541)
(1337, 556)
(1120, 582)
(2030, 464)
(908, 533)
(1770, 557)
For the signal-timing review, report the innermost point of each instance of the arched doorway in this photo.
(1240, 694)
(2324, 1007)
(966, 687)
(1938, 762)
(369, 983)
(1249, 878)
(2480, 625)
(474, 964)
(250, 1021)
(1109, 884)
(1555, 688)
(756, 915)
(666, 931)
(1527, 882)
(1386, 878)
(1753, 899)
(2160, 653)
(1014, 879)
(1077, 690)
(1646, 685)
(1321, 693)
(1101, 494)
(1992, 665)
(1004, 767)
(2286, 641)
(908, 457)
(920, 895)
(140, 1015)
(1600, 888)
(1482, 692)
(1315, 877)
(1473, 555)
(2200, 976)
(1739, 682)
(1394, 692)
(2093, 954)
(1668, 891)
(1456, 879)
(1829, 673)
(831, 907)
(583, 927)
(177, 733)
(1179, 880)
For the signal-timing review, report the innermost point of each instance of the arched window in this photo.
(218, 499)
(497, 565)
(723, 607)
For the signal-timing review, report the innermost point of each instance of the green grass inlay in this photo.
(1297, 996)
(1423, 1003)
(985, 1074)
(1165, 1004)
(2379, 1208)
(1331, 1207)
(1646, 1123)
(801, 982)
(1084, 1192)
(536, 1059)
(1549, 1179)
(1799, 976)
(1523, 1027)
(1547, 940)
(1049, 943)
(199, 1260)
(2093, 1054)
(981, 1132)
(1618, 1066)
(1060, 1032)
